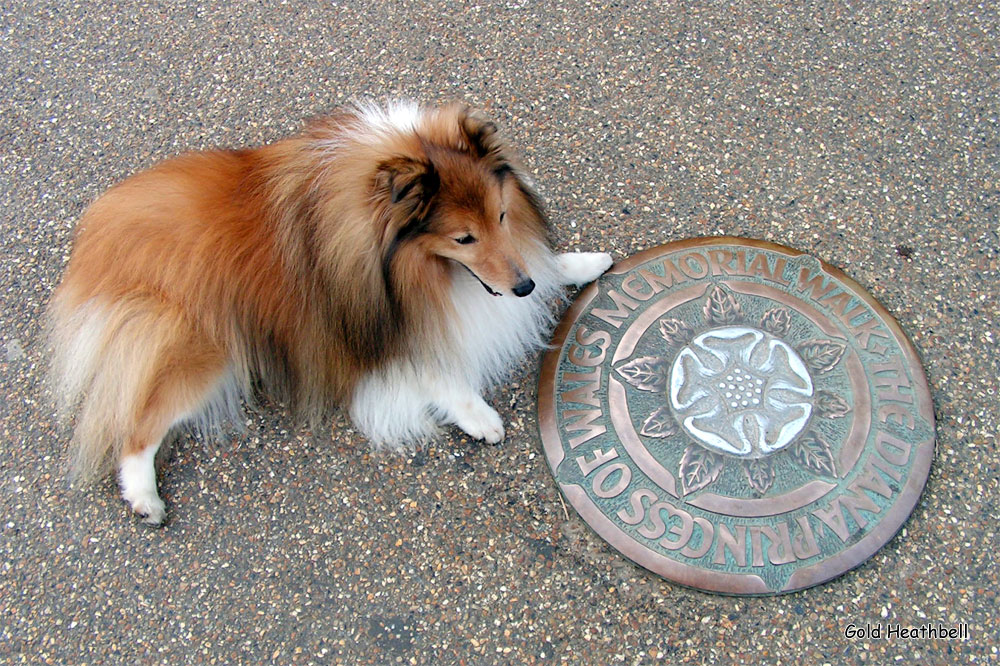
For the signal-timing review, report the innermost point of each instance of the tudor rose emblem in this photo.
(739, 392)
(736, 416)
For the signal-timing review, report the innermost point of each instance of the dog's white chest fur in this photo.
(403, 402)
(493, 333)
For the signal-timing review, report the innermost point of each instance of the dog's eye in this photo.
(503, 215)
(466, 240)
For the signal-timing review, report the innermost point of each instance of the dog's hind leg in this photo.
(186, 375)
(579, 268)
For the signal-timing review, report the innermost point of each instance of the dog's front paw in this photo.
(480, 421)
(579, 268)
(148, 505)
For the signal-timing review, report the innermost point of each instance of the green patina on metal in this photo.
(736, 416)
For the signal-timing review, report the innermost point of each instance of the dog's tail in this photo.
(106, 361)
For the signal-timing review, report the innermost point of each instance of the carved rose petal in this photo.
(821, 355)
(830, 405)
(814, 454)
(721, 309)
(740, 391)
(659, 424)
(760, 474)
(699, 467)
(646, 373)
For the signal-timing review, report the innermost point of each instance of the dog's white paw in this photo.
(579, 268)
(137, 477)
(149, 506)
(481, 421)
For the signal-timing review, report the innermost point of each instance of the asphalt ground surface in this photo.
(866, 135)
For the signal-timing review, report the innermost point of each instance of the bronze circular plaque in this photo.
(736, 416)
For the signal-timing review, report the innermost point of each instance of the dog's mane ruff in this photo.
(333, 232)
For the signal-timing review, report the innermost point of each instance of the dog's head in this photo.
(456, 195)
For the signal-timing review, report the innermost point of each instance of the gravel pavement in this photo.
(866, 135)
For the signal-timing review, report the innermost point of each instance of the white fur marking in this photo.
(493, 334)
(137, 477)
(401, 404)
(403, 116)
(461, 405)
(579, 268)
(372, 124)
(391, 408)
(221, 407)
(78, 340)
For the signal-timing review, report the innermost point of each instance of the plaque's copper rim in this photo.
(685, 574)
(547, 422)
(744, 584)
(883, 532)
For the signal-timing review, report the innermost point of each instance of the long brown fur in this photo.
(292, 268)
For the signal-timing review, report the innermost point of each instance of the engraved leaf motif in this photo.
(821, 355)
(812, 452)
(646, 373)
(676, 332)
(777, 322)
(721, 308)
(760, 474)
(699, 468)
(659, 424)
(830, 405)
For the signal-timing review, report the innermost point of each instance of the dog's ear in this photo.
(480, 132)
(407, 185)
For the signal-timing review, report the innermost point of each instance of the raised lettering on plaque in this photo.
(736, 416)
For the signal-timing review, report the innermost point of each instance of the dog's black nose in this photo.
(524, 287)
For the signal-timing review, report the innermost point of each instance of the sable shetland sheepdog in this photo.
(394, 259)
